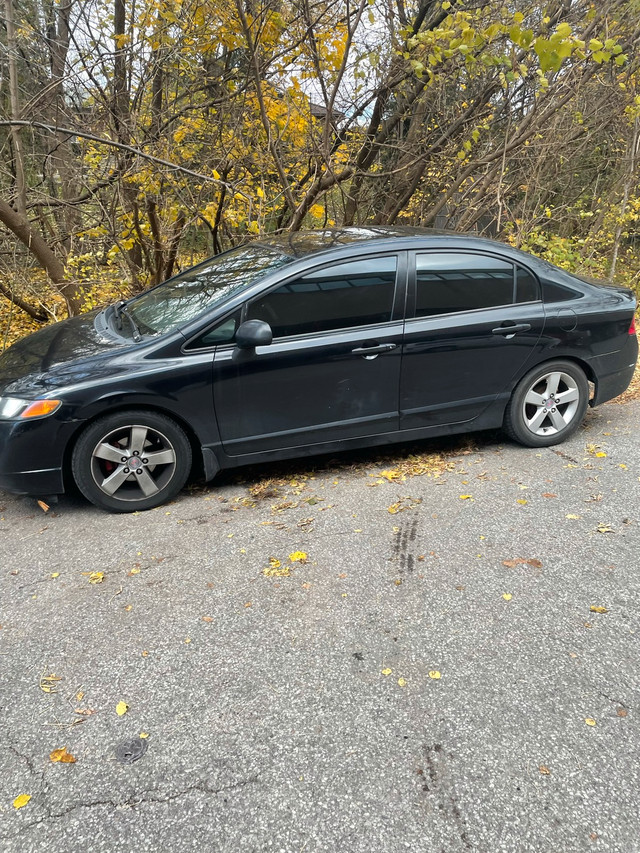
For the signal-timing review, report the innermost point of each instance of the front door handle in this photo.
(511, 329)
(372, 351)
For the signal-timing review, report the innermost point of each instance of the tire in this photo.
(106, 461)
(548, 404)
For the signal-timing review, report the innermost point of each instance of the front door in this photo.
(333, 369)
(473, 322)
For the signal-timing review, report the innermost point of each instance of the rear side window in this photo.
(557, 293)
(358, 293)
(448, 282)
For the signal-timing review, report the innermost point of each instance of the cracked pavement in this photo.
(271, 722)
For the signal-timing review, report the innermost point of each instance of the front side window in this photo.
(449, 282)
(358, 293)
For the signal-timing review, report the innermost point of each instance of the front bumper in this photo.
(32, 455)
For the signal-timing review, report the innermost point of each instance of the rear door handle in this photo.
(511, 329)
(375, 349)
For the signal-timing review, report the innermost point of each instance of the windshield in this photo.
(184, 297)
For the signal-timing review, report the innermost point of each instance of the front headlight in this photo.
(12, 408)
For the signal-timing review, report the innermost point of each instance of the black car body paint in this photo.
(382, 382)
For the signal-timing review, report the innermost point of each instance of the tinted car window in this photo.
(448, 282)
(357, 293)
(526, 286)
(557, 293)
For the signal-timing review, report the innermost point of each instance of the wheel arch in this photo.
(199, 465)
(582, 363)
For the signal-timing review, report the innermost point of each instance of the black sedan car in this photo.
(308, 343)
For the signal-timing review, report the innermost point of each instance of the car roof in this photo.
(300, 244)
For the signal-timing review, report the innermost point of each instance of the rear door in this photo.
(333, 369)
(473, 322)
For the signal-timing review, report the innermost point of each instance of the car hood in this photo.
(32, 364)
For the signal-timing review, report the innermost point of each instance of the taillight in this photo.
(632, 327)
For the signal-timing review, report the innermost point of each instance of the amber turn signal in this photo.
(39, 408)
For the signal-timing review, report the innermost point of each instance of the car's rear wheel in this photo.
(548, 404)
(131, 460)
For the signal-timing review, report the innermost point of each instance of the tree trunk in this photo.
(21, 227)
(18, 157)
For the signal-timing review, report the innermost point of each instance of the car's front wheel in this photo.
(131, 460)
(548, 404)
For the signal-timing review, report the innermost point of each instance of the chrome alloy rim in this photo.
(551, 403)
(133, 462)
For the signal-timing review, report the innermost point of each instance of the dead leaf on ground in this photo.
(121, 708)
(21, 801)
(590, 721)
(44, 506)
(604, 528)
(61, 756)
(520, 561)
(299, 557)
(49, 683)
(95, 577)
(622, 712)
(403, 504)
(549, 495)
(598, 608)
(207, 618)
(544, 770)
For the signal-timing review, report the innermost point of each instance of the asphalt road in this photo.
(300, 712)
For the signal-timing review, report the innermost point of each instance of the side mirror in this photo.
(253, 333)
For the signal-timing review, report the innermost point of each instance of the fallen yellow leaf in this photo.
(21, 801)
(433, 673)
(590, 721)
(62, 756)
(521, 501)
(55, 574)
(573, 516)
(391, 475)
(49, 683)
(144, 735)
(96, 577)
(386, 671)
(601, 454)
(298, 557)
(121, 708)
(402, 682)
(466, 497)
(598, 608)
(507, 596)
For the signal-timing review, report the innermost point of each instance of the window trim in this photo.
(412, 284)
